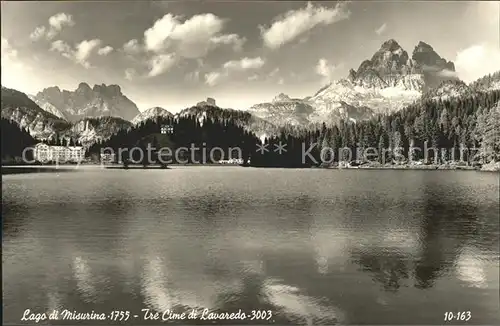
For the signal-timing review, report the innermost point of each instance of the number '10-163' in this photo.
(460, 315)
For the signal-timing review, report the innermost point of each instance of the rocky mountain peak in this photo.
(423, 46)
(352, 75)
(426, 57)
(51, 90)
(151, 113)
(83, 87)
(210, 101)
(391, 66)
(389, 59)
(111, 90)
(390, 45)
(281, 97)
(84, 101)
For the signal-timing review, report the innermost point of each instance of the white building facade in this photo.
(45, 153)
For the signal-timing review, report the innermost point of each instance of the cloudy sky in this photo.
(174, 54)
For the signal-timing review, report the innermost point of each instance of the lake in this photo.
(307, 246)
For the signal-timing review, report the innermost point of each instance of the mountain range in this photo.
(388, 82)
(85, 102)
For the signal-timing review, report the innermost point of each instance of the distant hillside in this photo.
(96, 129)
(251, 123)
(17, 106)
(42, 125)
(487, 83)
(14, 141)
(448, 90)
(465, 129)
(152, 113)
(223, 133)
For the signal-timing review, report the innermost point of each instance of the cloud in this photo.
(487, 11)
(193, 38)
(477, 61)
(58, 21)
(253, 77)
(193, 76)
(381, 29)
(8, 52)
(155, 36)
(274, 72)
(105, 50)
(325, 69)
(80, 54)
(56, 24)
(63, 48)
(15, 73)
(232, 66)
(130, 73)
(297, 22)
(447, 73)
(38, 33)
(213, 78)
(84, 49)
(230, 39)
(160, 64)
(132, 47)
(244, 64)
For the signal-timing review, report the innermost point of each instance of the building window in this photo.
(167, 129)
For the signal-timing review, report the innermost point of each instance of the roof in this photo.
(71, 148)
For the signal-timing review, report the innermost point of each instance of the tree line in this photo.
(449, 129)
(438, 131)
(184, 132)
(14, 141)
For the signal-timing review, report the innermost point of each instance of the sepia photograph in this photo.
(242, 162)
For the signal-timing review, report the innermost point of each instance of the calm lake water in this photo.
(311, 246)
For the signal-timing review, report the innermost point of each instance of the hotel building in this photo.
(45, 153)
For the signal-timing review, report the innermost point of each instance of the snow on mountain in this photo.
(284, 111)
(101, 100)
(449, 89)
(378, 100)
(281, 98)
(151, 113)
(18, 107)
(387, 82)
(457, 88)
(47, 107)
(487, 83)
(340, 110)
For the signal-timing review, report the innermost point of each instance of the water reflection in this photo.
(321, 256)
(470, 268)
(154, 289)
(446, 224)
(84, 280)
(299, 308)
(388, 267)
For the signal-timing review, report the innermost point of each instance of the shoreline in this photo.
(18, 169)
